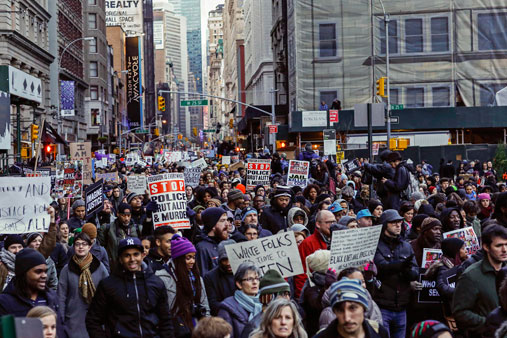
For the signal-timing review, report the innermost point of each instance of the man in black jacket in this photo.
(274, 216)
(159, 256)
(398, 183)
(397, 267)
(215, 230)
(132, 302)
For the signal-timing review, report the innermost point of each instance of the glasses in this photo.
(251, 279)
(81, 244)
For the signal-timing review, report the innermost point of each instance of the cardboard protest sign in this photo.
(226, 160)
(192, 176)
(429, 293)
(82, 151)
(94, 198)
(430, 256)
(237, 166)
(24, 202)
(200, 163)
(468, 236)
(279, 252)
(353, 247)
(136, 184)
(168, 190)
(298, 173)
(108, 177)
(257, 172)
(235, 158)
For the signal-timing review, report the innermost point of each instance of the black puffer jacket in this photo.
(494, 320)
(206, 255)
(395, 261)
(130, 305)
(219, 285)
(396, 186)
(274, 218)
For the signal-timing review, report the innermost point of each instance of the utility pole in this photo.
(387, 20)
(273, 118)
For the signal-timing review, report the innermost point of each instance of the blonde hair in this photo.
(41, 312)
(273, 310)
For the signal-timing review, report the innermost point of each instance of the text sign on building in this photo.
(333, 116)
(193, 103)
(314, 118)
(20, 84)
(127, 14)
(273, 129)
(134, 91)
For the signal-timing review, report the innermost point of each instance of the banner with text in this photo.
(137, 184)
(108, 177)
(168, 190)
(257, 172)
(94, 198)
(298, 173)
(134, 82)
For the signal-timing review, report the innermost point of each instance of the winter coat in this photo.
(48, 241)
(395, 187)
(371, 329)
(311, 244)
(52, 275)
(111, 235)
(290, 216)
(219, 285)
(493, 322)
(155, 261)
(97, 251)
(206, 255)
(73, 222)
(418, 245)
(475, 296)
(14, 303)
(308, 156)
(234, 314)
(379, 171)
(395, 261)
(310, 300)
(274, 218)
(126, 304)
(72, 305)
(59, 256)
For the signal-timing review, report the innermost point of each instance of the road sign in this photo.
(395, 119)
(142, 131)
(396, 107)
(209, 130)
(333, 116)
(273, 129)
(193, 103)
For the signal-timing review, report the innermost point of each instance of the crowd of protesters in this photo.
(116, 275)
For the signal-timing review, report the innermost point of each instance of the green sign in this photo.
(193, 103)
(209, 130)
(142, 131)
(396, 107)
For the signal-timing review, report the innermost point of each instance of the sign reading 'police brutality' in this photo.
(279, 252)
(23, 204)
(168, 190)
(298, 173)
(353, 247)
(257, 172)
(94, 200)
(192, 176)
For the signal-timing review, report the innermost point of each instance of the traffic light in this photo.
(237, 149)
(49, 149)
(156, 132)
(161, 103)
(35, 132)
(381, 86)
(281, 144)
(231, 123)
(194, 131)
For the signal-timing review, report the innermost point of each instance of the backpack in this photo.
(413, 183)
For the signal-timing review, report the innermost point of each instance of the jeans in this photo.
(395, 322)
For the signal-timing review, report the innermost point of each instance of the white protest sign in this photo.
(173, 156)
(192, 176)
(353, 247)
(226, 160)
(168, 190)
(83, 152)
(278, 252)
(131, 159)
(149, 160)
(200, 163)
(136, 184)
(257, 172)
(430, 256)
(468, 236)
(24, 202)
(298, 173)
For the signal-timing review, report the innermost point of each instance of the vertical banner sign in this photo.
(298, 173)
(67, 98)
(94, 198)
(192, 176)
(136, 184)
(353, 247)
(329, 142)
(278, 252)
(134, 91)
(82, 151)
(257, 172)
(468, 236)
(5, 120)
(168, 190)
(24, 203)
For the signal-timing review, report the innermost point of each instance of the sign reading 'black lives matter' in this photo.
(168, 190)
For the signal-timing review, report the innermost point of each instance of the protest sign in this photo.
(226, 160)
(136, 184)
(298, 173)
(430, 256)
(429, 293)
(172, 156)
(200, 163)
(279, 252)
(353, 247)
(131, 159)
(257, 172)
(192, 176)
(94, 198)
(468, 236)
(68, 179)
(168, 190)
(82, 151)
(108, 177)
(149, 160)
(24, 202)
(235, 158)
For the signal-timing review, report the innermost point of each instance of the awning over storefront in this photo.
(252, 113)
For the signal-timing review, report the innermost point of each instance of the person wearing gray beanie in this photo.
(79, 213)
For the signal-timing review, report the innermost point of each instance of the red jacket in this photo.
(311, 244)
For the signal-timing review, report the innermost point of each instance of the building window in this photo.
(328, 97)
(92, 21)
(94, 69)
(491, 31)
(488, 93)
(393, 37)
(92, 2)
(95, 116)
(93, 45)
(440, 34)
(415, 98)
(441, 96)
(94, 93)
(327, 40)
(414, 41)
(395, 95)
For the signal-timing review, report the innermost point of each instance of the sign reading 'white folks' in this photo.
(168, 190)
(257, 172)
(24, 202)
(353, 247)
(278, 252)
(298, 173)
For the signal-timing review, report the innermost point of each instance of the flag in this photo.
(49, 135)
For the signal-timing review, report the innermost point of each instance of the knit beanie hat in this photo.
(210, 217)
(131, 196)
(180, 246)
(282, 191)
(216, 201)
(241, 188)
(248, 211)
(348, 290)
(317, 262)
(122, 207)
(234, 194)
(484, 196)
(13, 239)
(428, 329)
(78, 203)
(32, 237)
(273, 282)
(429, 223)
(90, 229)
(27, 259)
(373, 204)
(451, 246)
(222, 253)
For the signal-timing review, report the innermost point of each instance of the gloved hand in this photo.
(152, 206)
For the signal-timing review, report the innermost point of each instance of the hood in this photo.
(444, 218)
(291, 214)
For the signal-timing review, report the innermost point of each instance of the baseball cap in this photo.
(130, 242)
(364, 213)
(335, 207)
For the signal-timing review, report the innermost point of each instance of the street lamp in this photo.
(387, 19)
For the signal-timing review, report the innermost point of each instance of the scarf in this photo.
(326, 239)
(86, 286)
(252, 305)
(8, 259)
